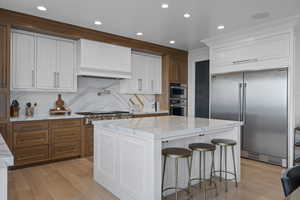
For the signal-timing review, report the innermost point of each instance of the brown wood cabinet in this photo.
(89, 140)
(178, 70)
(4, 82)
(66, 138)
(40, 141)
(4, 69)
(31, 142)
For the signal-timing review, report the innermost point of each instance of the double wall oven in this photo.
(178, 99)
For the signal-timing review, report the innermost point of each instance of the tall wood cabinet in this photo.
(178, 70)
(4, 80)
(174, 70)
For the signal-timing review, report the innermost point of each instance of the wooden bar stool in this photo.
(203, 148)
(225, 143)
(175, 153)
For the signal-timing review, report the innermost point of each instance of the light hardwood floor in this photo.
(72, 180)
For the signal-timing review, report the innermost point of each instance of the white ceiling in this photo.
(126, 17)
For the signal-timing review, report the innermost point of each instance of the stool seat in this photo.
(223, 142)
(202, 147)
(176, 152)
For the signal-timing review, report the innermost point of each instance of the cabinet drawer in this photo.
(30, 126)
(31, 138)
(30, 155)
(65, 123)
(66, 150)
(63, 135)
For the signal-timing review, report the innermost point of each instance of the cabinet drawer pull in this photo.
(201, 134)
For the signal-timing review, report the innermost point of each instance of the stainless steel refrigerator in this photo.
(259, 98)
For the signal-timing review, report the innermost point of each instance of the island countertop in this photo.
(167, 127)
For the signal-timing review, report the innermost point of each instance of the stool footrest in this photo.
(174, 188)
(232, 173)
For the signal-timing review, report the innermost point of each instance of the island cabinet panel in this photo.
(123, 164)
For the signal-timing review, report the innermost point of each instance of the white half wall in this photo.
(195, 55)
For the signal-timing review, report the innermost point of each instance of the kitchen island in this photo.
(6, 160)
(128, 160)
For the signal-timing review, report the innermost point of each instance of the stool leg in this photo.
(220, 163)
(176, 178)
(234, 166)
(200, 165)
(226, 182)
(163, 176)
(204, 166)
(212, 166)
(204, 174)
(189, 164)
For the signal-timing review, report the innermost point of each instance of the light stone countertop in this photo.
(151, 112)
(6, 157)
(44, 117)
(167, 127)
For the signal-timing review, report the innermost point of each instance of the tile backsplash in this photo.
(94, 94)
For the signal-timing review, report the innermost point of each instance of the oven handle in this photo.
(178, 106)
(177, 87)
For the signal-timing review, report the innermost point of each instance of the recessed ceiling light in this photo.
(164, 5)
(98, 23)
(172, 42)
(187, 15)
(139, 33)
(41, 8)
(220, 27)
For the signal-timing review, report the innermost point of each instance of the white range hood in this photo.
(100, 59)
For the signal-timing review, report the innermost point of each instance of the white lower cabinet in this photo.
(43, 63)
(146, 75)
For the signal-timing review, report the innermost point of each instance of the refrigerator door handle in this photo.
(240, 101)
(244, 103)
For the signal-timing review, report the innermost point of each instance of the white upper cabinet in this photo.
(253, 54)
(23, 61)
(103, 60)
(66, 71)
(146, 75)
(46, 58)
(43, 63)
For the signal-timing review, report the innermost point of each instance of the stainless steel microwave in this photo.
(178, 91)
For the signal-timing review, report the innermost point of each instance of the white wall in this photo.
(195, 55)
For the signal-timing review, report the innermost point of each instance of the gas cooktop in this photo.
(102, 113)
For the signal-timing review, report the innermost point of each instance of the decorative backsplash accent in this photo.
(94, 94)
